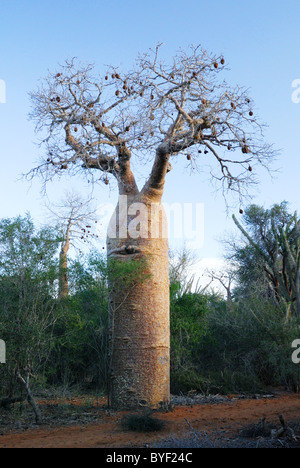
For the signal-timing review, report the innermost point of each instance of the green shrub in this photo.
(249, 348)
(142, 423)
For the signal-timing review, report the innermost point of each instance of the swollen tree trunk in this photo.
(139, 308)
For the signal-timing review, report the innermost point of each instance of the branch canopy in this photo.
(153, 112)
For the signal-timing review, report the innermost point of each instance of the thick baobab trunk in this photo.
(139, 308)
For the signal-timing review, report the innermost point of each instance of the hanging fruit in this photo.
(250, 113)
(233, 105)
(241, 211)
(216, 65)
(245, 149)
(222, 61)
(188, 157)
(250, 169)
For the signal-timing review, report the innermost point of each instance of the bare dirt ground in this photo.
(215, 421)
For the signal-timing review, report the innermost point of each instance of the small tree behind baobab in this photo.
(75, 217)
(106, 127)
(226, 279)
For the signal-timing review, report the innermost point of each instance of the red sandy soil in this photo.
(228, 417)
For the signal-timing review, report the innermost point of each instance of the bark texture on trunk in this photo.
(139, 312)
(30, 399)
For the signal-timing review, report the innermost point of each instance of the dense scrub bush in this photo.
(79, 356)
(188, 325)
(63, 342)
(247, 349)
(28, 309)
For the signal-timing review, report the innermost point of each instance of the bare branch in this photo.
(156, 111)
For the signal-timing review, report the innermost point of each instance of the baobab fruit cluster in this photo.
(222, 62)
(86, 232)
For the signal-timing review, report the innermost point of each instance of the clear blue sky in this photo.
(259, 39)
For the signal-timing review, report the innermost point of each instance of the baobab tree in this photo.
(75, 218)
(102, 127)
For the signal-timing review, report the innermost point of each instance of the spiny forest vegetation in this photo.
(219, 344)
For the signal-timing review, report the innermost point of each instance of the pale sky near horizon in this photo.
(259, 39)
